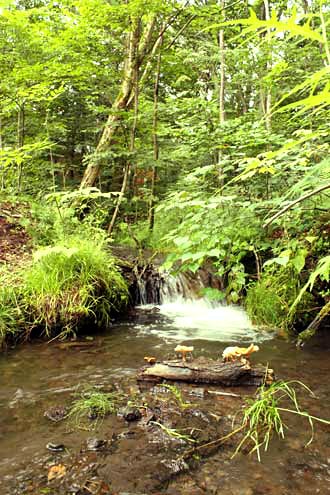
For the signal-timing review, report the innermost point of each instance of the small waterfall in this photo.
(147, 286)
(186, 315)
(180, 286)
(155, 287)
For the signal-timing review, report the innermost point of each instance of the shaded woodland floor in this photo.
(14, 240)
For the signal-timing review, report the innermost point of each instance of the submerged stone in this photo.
(55, 447)
(130, 413)
(95, 444)
(56, 413)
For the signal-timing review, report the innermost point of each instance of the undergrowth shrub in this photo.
(269, 300)
(11, 316)
(71, 284)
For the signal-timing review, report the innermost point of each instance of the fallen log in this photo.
(204, 370)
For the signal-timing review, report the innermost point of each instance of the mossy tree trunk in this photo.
(137, 49)
(151, 213)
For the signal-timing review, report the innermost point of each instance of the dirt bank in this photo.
(15, 243)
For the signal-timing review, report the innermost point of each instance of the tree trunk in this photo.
(265, 94)
(135, 85)
(134, 58)
(221, 97)
(314, 325)
(2, 168)
(151, 214)
(204, 370)
(268, 97)
(20, 142)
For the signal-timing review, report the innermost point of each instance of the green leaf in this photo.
(299, 260)
(280, 260)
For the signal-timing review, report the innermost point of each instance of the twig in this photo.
(293, 203)
(180, 31)
(218, 441)
(215, 392)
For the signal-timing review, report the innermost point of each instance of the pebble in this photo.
(74, 488)
(55, 447)
(131, 414)
(95, 444)
(296, 444)
(56, 413)
(242, 491)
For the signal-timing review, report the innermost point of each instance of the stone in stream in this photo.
(55, 447)
(95, 444)
(56, 413)
(130, 413)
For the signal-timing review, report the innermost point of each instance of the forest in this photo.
(164, 192)
(199, 130)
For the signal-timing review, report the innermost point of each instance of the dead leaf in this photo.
(56, 472)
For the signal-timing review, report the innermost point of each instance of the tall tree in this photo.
(139, 42)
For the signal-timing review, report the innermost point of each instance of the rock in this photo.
(74, 488)
(126, 434)
(131, 413)
(95, 444)
(55, 447)
(296, 444)
(56, 413)
(198, 392)
(175, 466)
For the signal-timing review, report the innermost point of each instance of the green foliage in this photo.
(262, 417)
(70, 284)
(268, 301)
(80, 213)
(218, 180)
(322, 271)
(92, 403)
(178, 396)
(11, 318)
(212, 294)
(174, 433)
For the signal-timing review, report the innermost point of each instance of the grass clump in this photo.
(72, 284)
(93, 404)
(269, 300)
(178, 396)
(262, 418)
(11, 314)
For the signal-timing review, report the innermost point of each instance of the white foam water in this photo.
(184, 315)
(198, 319)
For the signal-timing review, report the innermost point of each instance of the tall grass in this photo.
(269, 300)
(93, 403)
(71, 284)
(262, 417)
(11, 317)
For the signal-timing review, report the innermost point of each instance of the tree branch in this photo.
(293, 203)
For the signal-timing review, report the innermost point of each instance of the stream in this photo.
(141, 459)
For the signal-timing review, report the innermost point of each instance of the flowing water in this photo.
(37, 376)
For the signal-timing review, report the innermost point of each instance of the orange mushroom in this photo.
(239, 353)
(184, 351)
(150, 359)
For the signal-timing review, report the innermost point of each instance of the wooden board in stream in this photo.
(202, 370)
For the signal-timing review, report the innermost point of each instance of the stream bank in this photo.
(138, 456)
